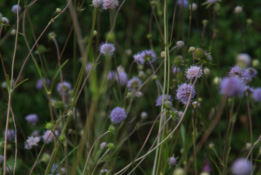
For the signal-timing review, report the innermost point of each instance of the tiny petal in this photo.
(159, 99)
(31, 141)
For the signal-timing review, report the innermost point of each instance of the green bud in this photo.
(62, 138)
(211, 146)
(255, 63)
(154, 3)
(129, 94)
(162, 54)
(110, 36)
(13, 32)
(94, 33)
(46, 157)
(154, 77)
(58, 10)
(59, 105)
(51, 35)
(110, 146)
(179, 171)
(112, 129)
(168, 104)
(149, 36)
(49, 126)
(249, 21)
(192, 49)
(204, 22)
(217, 7)
(199, 53)
(178, 60)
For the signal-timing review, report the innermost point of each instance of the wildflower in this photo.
(207, 168)
(238, 10)
(48, 136)
(111, 75)
(183, 3)
(257, 94)
(134, 84)
(1, 159)
(212, 1)
(107, 49)
(242, 167)
(63, 87)
(144, 115)
(206, 71)
(249, 73)
(39, 84)
(159, 99)
(97, 3)
(184, 91)
(14, 9)
(179, 171)
(5, 20)
(193, 6)
(117, 115)
(232, 86)
(121, 76)
(180, 44)
(172, 161)
(10, 134)
(32, 118)
(146, 55)
(236, 71)
(88, 67)
(110, 4)
(103, 145)
(31, 141)
(243, 59)
(104, 172)
(175, 70)
(194, 72)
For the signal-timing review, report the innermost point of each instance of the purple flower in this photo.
(63, 87)
(159, 99)
(121, 76)
(134, 84)
(194, 72)
(31, 141)
(184, 91)
(256, 93)
(32, 118)
(212, 1)
(111, 75)
(117, 115)
(207, 168)
(236, 71)
(97, 3)
(232, 86)
(175, 70)
(14, 9)
(39, 84)
(1, 158)
(88, 67)
(172, 161)
(48, 136)
(10, 134)
(107, 49)
(146, 55)
(249, 74)
(5, 20)
(110, 4)
(242, 167)
(183, 3)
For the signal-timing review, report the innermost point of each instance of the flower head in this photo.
(183, 3)
(249, 74)
(63, 87)
(232, 86)
(39, 84)
(236, 71)
(117, 115)
(110, 4)
(175, 70)
(31, 141)
(88, 67)
(107, 49)
(97, 3)
(146, 55)
(48, 136)
(184, 91)
(159, 99)
(257, 94)
(5, 20)
(14, 9)
(32, 118)
(121, 76)
(194, 72)
(243, 59)
(172, 161)
(212, 1)
(242, 167)
(10, 134)
(134, 84)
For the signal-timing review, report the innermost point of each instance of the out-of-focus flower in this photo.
(14, 9)
(63, 87)
(88, 67)
(183, 3)
(194, 72)
(172, 161)
(110, 4)
(48, 136)
(232, 86)
(243, 59)
(184, 91)
(159, 99)
(32, 118)
(31, 141)
(134, 84)
(148, 56)
(257, 94)
(107, 49)
(238, 10)
(242, 167)
(10, 134)
(97, 3)
(39, 84)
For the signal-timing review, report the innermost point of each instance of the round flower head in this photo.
(236, 71)
(111, 75)
(5, 20)
(134, 84)
(88, 67)
(249, 74)
(63, 87)
(117, 115)
(31, 141)
(110, 4)
(194, 72)
(184, 91)
(107, 49)
(193, 6)
(238, 9)
(172, 161)
(243, 59)
(14, 9)
(103, 172)
(97, 3)
(39, 84)
(32, 118)
(232, 86)
(10, 134)
(146, 55)
(139, 58)
(1, 158)
(257, 94)
(183, 3)
(48, 136)
(159, 99)
(175, 70)
(121, 76)
(212, 1)
(242, 167)
(180, 44)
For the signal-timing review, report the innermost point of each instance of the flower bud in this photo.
(199, 53)
(5, 20)
(180, 44)
(112, 129)
(238, 10)
(62, 138)
(58, 10)
(103, 145)
(110, 36)
(162, 54)
(49, 126)
(51, 35)
(144, 115)
(110, 146)
(172, 161)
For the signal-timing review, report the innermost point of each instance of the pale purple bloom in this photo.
(172, 161)
(134, 84)
(212, 1)
(10, 134)
(256, 93)
(97, 3)
(1, 158)
(103, 172)
(232, 86)
(236, 71)
(48, 136)
(54, 168)
(110, 4)
(175, 70)
(117, 115)
(88, 67)
(5, 20)
(31, 141)
(39, 84)
(32, 118)
(107, 49)
(207, 168)
(159, 99)
(242, 167)
(63, 87)
(184, 91)
(243, 58)
(183, 3)
(249, 74)
(14, 9)
(146, 55)
(194, 72)
(121, 77)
